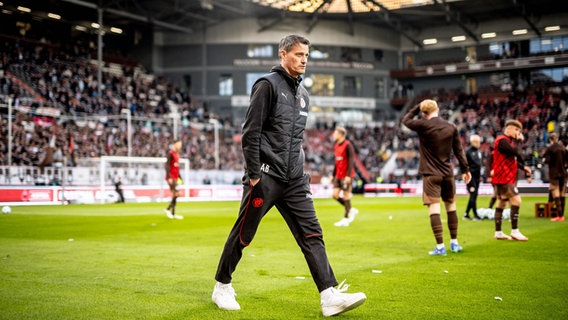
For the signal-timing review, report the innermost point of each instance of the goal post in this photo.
(107, 161)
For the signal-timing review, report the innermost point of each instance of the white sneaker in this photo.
(500, 235)
(177, 216)
(352, 213)
(334, 301)
(342, 223)
(224, 297)
(517, 235)
(169, 213)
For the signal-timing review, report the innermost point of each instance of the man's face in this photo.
(476, 143)
(295, 60)
(337, 136)
(177, 146)
(512, 131)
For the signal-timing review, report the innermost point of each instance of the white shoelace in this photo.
(228, 289)
(342, 287)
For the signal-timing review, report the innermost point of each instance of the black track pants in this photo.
(294, 202)
(473, 189)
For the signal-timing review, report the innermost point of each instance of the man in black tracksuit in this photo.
(274, 176)
(473, 156)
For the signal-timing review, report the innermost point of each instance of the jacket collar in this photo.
(292, 82)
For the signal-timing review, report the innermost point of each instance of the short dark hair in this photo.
(288, 42)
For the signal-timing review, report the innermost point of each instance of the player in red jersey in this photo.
(343, 174)
(507, 158)
(172, 177)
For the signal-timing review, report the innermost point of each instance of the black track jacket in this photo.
(274, 126)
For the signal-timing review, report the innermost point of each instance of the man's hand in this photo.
(490, 178)
(466, 177)
(528, 173)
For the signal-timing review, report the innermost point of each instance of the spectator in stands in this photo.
(507, 158)
(343, 174)
(47, 158)
(556, 156)
(438, 139)
(473, 156)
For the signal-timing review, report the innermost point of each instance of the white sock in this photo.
(440, 246)
(514, 230)
(454, 241)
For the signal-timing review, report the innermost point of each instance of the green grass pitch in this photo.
(128, 261)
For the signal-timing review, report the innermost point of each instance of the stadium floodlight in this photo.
(458, 38)
(430, 41)
(54, 16)
(551, 28)
(24, 9)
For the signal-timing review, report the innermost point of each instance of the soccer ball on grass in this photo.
(6, 210)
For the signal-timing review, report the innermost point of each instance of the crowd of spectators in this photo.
(91, 126)
(64, 80)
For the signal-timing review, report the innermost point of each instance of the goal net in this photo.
(143, 172)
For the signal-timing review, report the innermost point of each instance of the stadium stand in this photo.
(54, 88)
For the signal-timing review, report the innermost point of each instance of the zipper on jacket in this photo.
(292, 134)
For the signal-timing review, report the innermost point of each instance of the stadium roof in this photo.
(408, 17)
